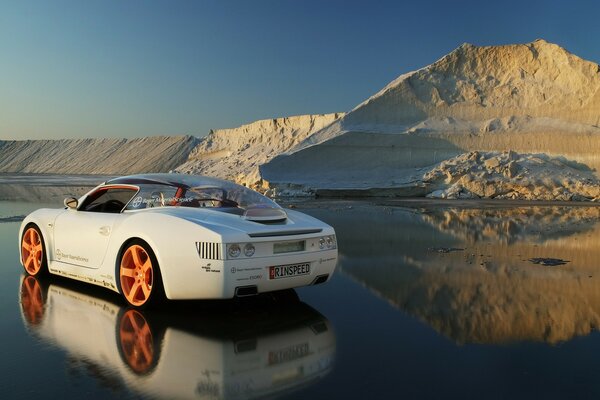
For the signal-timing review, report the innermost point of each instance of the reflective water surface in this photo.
(429, 301)
(220, 350)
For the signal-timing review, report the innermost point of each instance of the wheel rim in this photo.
(32, 251)
(137, 343)
(32, 300)
(136, 275)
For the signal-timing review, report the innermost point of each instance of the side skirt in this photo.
(79, 273)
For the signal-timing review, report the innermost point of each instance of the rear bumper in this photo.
(241, 273)
(251, 276)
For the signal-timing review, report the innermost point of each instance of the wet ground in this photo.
(430, 300)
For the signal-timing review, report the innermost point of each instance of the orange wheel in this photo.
(32, 251)
(32, 300)
(139, 274)
(136, 342)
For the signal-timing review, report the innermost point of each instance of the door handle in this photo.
(104, 230)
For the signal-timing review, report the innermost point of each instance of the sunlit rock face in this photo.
(491, 84)
(530, 98)
(236, 153)
(469, 273)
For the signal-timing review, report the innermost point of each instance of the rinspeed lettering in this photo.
(285, 271)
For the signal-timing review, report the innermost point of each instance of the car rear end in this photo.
(270, 263)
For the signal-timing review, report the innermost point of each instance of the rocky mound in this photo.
(510, 175)
(236, 153)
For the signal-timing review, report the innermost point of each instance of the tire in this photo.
(33, 251)
(140, 281)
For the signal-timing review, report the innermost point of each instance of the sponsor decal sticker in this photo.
(137, 202)
(62, 256)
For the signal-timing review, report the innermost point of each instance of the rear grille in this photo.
(209, 250)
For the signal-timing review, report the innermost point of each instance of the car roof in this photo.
(179, 180)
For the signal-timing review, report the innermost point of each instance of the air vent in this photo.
(284, 233)
(209, 250)
(265, 214)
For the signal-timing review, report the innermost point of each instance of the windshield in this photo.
(174, 190)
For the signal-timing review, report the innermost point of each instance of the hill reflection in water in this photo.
(467, 273)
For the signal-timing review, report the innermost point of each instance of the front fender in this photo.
(44, 219)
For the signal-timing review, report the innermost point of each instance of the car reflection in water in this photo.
(219, 350)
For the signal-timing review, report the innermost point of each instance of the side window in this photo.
(107, 200)
(151, 196)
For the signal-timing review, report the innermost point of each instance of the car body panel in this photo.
(90, 228)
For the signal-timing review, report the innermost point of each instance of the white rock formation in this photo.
(95, 156)
(510, 175)
(536, 99)
(529, 98)
(236, 153)
(233, 154)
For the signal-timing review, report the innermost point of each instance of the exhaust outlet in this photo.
(244, 291)
(320, 279)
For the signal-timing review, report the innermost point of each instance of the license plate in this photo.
(288, 354)
(287, 271)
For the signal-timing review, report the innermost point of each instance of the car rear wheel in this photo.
(33, 255)
(139, 274)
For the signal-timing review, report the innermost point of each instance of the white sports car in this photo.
(179, 236)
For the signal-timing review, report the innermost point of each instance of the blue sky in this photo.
(133, 68)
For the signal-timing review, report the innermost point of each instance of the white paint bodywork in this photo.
(209, 363)
(87, 245)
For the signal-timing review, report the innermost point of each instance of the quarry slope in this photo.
(96, 156)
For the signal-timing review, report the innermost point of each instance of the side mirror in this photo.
(71, 202)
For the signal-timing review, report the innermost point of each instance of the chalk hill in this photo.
(530, 98)
(535, 100)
